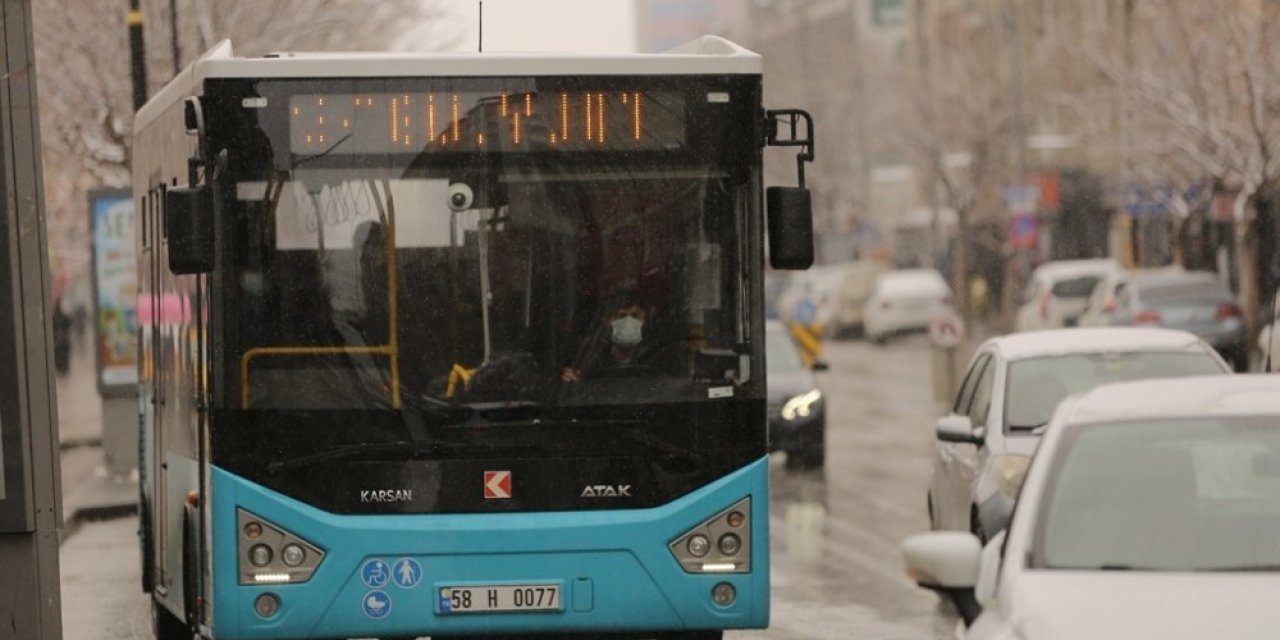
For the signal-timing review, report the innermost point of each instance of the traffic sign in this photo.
(946, 330)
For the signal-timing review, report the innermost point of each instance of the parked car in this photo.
(855, 287)
(1152, 510)
(1014, 382)
(1269, 341)
(1057, 292)
(1101, 308)
(836, 294)
(1194, 301)
(809, 296)
(904, 300)
(797, 410)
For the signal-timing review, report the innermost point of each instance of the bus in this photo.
(463, 344)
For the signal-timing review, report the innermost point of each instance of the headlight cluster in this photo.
(721, 544)
(270, 555)
(801, 406)
(1010, 470)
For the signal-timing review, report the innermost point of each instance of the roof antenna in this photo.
(481, 26)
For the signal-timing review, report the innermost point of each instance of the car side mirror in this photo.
(958, 428)
(820, 365)
(946, 562)
(188, 227)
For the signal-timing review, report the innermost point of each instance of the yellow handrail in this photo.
(307, 351)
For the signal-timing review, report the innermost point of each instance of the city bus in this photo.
(465, 344)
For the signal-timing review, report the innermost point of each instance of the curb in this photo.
(81, 516)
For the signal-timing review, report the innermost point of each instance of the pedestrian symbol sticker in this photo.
(375, 574)
(376, 605)
(407, 573)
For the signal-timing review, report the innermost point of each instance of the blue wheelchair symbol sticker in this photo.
(376, 605)
(375, 574)
(407, 573)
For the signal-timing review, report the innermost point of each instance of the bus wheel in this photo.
(167, 626)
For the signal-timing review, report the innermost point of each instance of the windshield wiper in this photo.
(386, 448)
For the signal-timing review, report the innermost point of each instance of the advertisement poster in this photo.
(116, 279)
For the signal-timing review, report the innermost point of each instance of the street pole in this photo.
(30, 505)
(173, 36)
(137, 56)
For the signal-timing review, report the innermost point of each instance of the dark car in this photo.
(1194, 301)
(797, 410)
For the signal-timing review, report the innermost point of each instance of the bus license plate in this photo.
(497, 598)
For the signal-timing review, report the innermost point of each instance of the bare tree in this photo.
(956, 118)
(1201, 79)
(85, 87)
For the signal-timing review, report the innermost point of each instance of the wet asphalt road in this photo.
(837, 570)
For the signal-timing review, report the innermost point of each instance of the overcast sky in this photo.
(606, 26)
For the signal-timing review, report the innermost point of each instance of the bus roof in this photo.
(705, 55)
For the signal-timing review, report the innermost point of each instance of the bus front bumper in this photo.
(612, 569)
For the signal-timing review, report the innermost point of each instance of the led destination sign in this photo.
(380, 123)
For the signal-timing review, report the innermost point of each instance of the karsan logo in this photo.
(386, 495)
(606, 491)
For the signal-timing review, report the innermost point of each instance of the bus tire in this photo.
(167, 626)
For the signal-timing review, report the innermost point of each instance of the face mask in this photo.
(626, 331)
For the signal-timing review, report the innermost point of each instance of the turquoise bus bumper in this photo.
(614, 567)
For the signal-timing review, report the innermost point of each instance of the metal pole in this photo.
(30, 505)
(173, 33)
(137, 56)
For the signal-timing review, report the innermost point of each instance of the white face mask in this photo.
(626, 331)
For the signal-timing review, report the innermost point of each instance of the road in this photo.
(837, 570)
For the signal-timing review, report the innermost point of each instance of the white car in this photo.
(904, 300)
(1058, 292)
(1101, 308)
(1152, 510)
(1013, 385)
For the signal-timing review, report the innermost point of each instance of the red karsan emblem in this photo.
(497, 484)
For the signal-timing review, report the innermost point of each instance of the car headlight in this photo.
(800, 406)
(1010, 470)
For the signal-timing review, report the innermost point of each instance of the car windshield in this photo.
(1079, 287)
(1036, 385)
(1168, 495)
(780, 352)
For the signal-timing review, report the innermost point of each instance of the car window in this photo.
(965, 396)
(1035, 386)
(1075, 287)
(1167, 495)
(981, 405)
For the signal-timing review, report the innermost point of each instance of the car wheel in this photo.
(167, 626)
(809, 458)
(975, 525)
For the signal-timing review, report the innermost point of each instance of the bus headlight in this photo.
(732, 551)
(267, 554)
(801, 406)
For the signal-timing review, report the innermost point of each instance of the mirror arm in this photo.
(792, 118)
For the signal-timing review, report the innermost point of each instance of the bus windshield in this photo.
(359, 289)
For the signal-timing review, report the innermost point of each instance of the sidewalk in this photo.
(87, 493)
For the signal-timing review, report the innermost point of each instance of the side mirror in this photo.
(790, 227)
(958, 428)
(188, 226)
(820, 365)
(946, 562)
